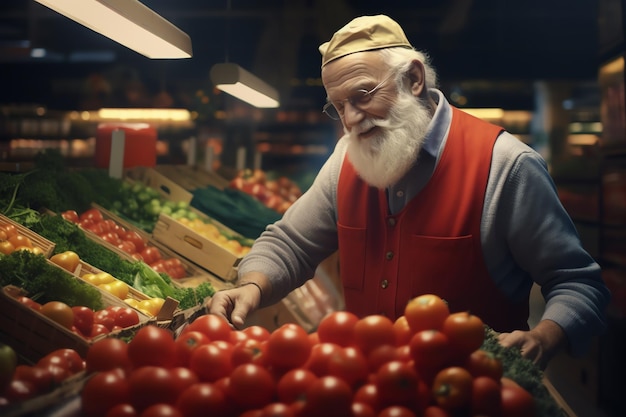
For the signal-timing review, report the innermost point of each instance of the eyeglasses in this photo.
(360, 99)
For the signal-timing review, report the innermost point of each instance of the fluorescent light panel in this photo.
(236, 81)
(176, 115)
(129, 23)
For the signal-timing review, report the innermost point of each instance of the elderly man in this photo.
(419, 197)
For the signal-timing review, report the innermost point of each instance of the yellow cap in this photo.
(364, 33)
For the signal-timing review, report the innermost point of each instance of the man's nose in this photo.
(352, 115)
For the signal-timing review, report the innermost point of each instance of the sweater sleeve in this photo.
(289, 250)
(529, 237)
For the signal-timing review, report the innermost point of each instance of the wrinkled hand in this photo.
(538, 345)
(235, 304)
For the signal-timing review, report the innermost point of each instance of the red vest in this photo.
(433, 245)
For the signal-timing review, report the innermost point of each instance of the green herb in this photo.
(45, 282)
(524, 372)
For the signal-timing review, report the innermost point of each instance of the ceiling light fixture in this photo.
(238, 82)
(129, 23)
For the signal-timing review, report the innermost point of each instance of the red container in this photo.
(139, 145)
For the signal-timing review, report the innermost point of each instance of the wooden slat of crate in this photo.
(196, 248)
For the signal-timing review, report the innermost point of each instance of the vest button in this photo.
(384, 284)
(389, 255)
(391, 222)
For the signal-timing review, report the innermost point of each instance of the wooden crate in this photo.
(33, 335)
(197, 248)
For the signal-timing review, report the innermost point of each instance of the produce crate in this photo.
(191, 269)
(46, 245)
(165, 186)
(167, 311)
(33, 335)
(197, 248)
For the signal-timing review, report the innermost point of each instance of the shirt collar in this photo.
(439, 124)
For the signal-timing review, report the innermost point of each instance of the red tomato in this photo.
(65, 358)
(105, 317)
(320, 357)
(38, 377)
(293, 384)
(430, 351)
(29, 302)
(396, 383)
(152, 345)
(328, 396)
(349, 364)
(237, 336)
(98, 329)
(110, 237)
(403, 331)
(362, 410)
(127, 246)
(426, 312)
(252, 386)
(248, 351)
(106, 354)
(83, 319)
(516, 401)
(161, 410)
(483, 363)
(368, 394)
(92, 214)
(70, 215)
(213, 326)
(125, 317)
(198, 398)
(186, 343)
(396, 411)
(122, 410)
(150, 255)
(103, 391)
(182, 378)
(466, 333)
(486, 399)
(288, 347)
(337, 327)
(277, 410)
(134, 237)
(150, 385)
(436, 411)
(211, 362)
(381, 355)
(452, 388)
(18, 391)
(372, 331)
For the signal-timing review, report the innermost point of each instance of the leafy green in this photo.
(524, 372)
(151, 283)
(45, 282)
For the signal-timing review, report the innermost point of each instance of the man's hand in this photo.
(539, 344)
(235, 304)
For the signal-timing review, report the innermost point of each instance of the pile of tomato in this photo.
(427, 363)
(129, 241)
(83, 320)
(11, 240)
(23, 382)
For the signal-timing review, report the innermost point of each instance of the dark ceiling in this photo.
(513, 42)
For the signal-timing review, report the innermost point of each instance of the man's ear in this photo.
(417, 78)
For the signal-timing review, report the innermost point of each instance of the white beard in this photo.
(384, 158)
